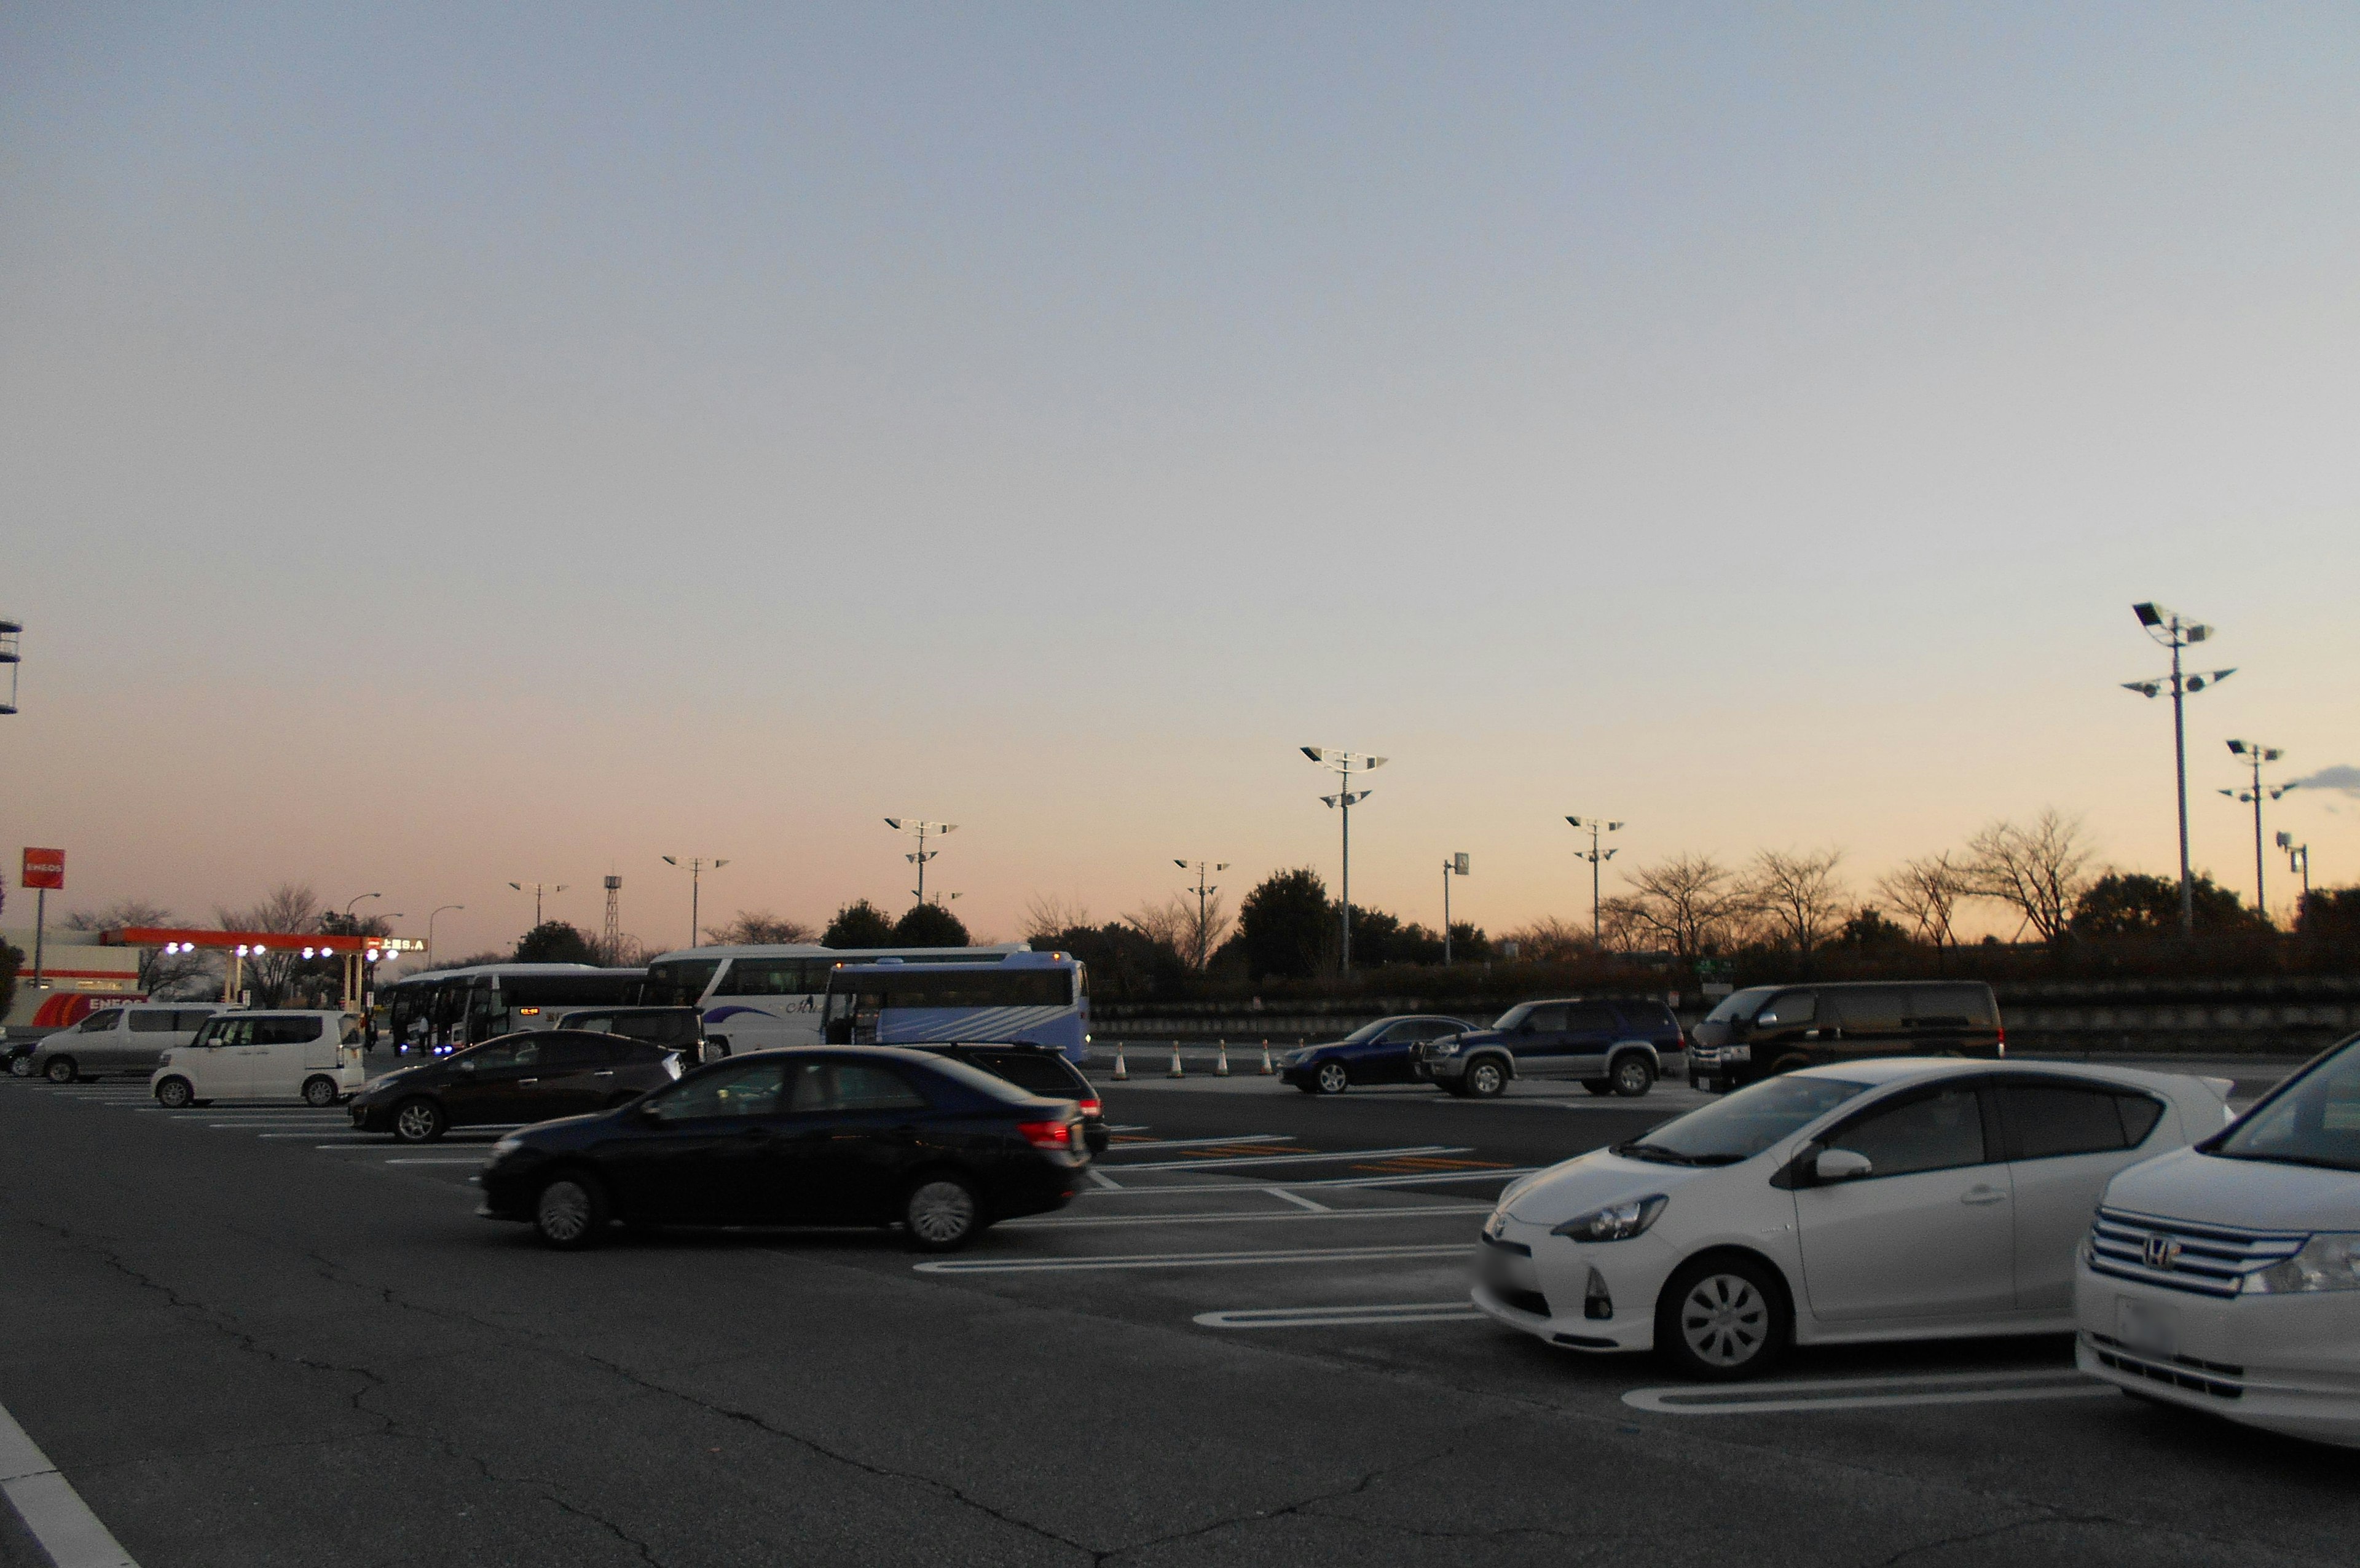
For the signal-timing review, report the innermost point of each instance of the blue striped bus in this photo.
(1040, 998)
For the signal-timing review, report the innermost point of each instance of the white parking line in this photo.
(477, 1162)
(1333, 1317)
(52, 1510)
(1835, 1393)
(1187, 1259)
(1298, 1216)
(1221, 1162)
(1506, 1173)
(1200, 1142)
(1284, 1196)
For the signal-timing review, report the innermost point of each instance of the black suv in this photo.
(1610, 1046)
(1041, 1070)
(674, 1028)
(1764, 1030)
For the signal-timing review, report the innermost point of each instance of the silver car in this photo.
(128, 1040)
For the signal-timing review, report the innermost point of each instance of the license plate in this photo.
(2145, 1326)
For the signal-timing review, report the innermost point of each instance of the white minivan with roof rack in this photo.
(2225, 1276)
(127, 1038)
(308, 1054)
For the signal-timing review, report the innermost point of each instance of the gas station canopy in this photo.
(248, 944)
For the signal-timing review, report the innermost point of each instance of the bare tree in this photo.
(1551, 939)
(1798, 896)
(1167, 924)
(160, 973)
(758, 927)
(1687, 903)
(2038, 869)
(1047, 915)
(291, 907)
(1927, 891)
(1209, 924)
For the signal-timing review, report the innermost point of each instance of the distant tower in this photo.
(614, 938)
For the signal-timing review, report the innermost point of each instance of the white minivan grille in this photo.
(2208, 1260)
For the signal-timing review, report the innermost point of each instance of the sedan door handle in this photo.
(528, 1080)
(608, 1073)
(1983, 1195)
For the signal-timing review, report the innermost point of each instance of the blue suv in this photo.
(1618, 1047)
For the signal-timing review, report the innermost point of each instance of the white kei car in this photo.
(1893, 1199)
(2226, 1277)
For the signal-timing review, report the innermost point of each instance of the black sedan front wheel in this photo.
(942, 1212)
(571, 1212)
(1331, 1078)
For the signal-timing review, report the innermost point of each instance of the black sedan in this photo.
(515, 1079)
(1379, 1052)
(870, 1136)
(1040, 1069)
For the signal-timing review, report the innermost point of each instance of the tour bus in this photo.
(443, 1010)
(1040, 998)
(759, 997)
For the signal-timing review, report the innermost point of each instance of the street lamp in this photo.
(2298, 859)
(348, 908)
(1454, 867)
(1204, 892)
(697, 865)
(429, 929)
(536, 890)
(2255, 755)
(924, 831)
(1597, 858)
(1345, 763)
(2167, 627)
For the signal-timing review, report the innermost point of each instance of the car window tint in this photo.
(2044, 1120)
(861, 1087)
(1548, 1018)
(1930, 1132)
(192, 1018)
(284, 1032)
(151, 1021)
(1788, 1007)
(2139, 1116)
(752, 1090)
(1944, 1007)
(566, 1051)
(1591, 1016)
(99, 1022)
(1042, 1074)
(1870, 1009)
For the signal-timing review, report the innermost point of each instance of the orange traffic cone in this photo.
(1121, 1073)
(1266, 1069)
(1178, 1070)
(1221, 1062)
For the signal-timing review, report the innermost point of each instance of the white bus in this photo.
(1035, 998)
(757, 997)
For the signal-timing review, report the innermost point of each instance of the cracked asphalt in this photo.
(250, 1352)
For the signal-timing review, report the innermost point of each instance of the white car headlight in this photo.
(2328, 1261)
(507, 1146)
(1442, 1048)
(1615, 1221)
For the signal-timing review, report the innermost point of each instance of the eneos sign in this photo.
(44, 868)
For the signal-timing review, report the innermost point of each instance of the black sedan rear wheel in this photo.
(420, 1121)
(942, 1212)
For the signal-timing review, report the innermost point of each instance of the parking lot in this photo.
(1248, 1340)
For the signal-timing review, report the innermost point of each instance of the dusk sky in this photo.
(448, 445)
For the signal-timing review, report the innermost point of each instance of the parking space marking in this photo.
(1298, 1216)
(52, 1510)
(1246, 1139)
(1287, 1158)
(1283, 1195)
(1339, 1317)
(1188, 1259)
(435, 1162)
(1106, 1184)
(1835, 1393)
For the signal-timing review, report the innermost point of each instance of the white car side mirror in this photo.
(1842, 1165)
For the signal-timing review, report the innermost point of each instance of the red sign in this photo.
(45, 868)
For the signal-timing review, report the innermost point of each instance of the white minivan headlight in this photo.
(1615, 1221)
(2328, 1261)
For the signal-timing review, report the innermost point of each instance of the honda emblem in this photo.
(2162, 1252)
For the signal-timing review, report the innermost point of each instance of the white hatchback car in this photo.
(310, 1055)
(2226, 1277)
(1895, 1199)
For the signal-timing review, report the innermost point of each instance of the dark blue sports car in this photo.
(1374, 1053)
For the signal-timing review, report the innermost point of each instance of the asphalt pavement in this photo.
(246, 1335)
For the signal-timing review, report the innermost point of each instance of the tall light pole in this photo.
(2255, 755)
(429, 929)
(923, 831)
(2168, 627)
(697, 864)
(537, 890)
(1203, 893)
(348, 908)
(1345, 763)
(1454, 867)
(1597, 858)
(2298, 859)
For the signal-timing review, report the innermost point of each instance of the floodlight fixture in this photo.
(2257, 755)
(921, 829)
(2168, 627)
(1346, 763)
(697, 866)
(1596, 857)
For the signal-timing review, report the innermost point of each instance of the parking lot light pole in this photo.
(922, 830)
(2255, 755)
(537, 890)
(1345, 763)
(2167, 627)
(697, 864)
(1454, 867)
(1597, 858)
(1204, 892)
(429, 929)
(2298, 859)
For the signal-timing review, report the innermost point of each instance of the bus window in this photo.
(680, 982)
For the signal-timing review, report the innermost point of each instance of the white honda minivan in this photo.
(2226, 1277)
(313, 1056)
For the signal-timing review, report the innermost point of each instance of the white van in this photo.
(311, 1056)
(129, 1039)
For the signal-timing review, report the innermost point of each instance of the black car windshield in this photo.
(2312, 1119)
(1739, 1005)
(1744, 1123)
(1514, 1016)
